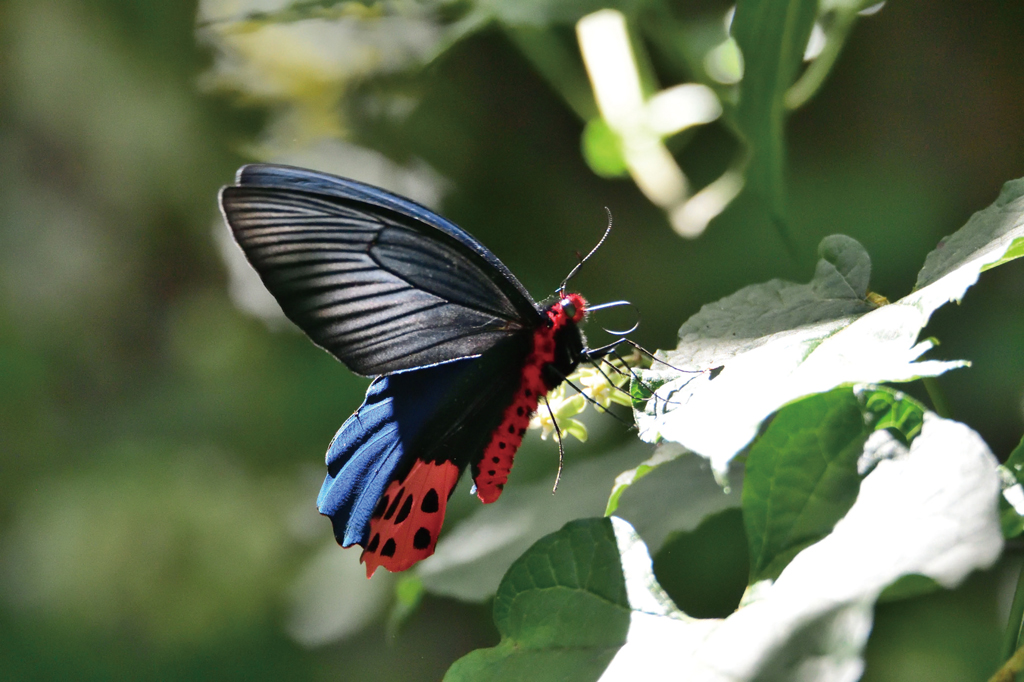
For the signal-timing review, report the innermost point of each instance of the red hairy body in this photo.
(496, 463)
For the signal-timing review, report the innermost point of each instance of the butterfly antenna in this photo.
(572, 273)
(561, 448)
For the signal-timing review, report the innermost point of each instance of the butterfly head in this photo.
(573, 306)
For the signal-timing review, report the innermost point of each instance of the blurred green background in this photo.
(161, 446)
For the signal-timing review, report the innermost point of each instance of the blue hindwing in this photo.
(379, 441)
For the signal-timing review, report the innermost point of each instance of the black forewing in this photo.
(382, 283)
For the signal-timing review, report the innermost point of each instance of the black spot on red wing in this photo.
(406, 508)
(394, 505)
(381, 506)
(491, 472)
(422, 539)
(520, 410)
(501, 444)
(511, 428)
(389, 548)
(372, 547)
(522, 432)
(429, 505)
(529, 393)
(496, 460)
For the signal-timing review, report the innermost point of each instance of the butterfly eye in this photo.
(569, 308)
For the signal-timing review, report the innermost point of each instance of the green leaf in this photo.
(641, 391)
(1010, 521)
(682, 494)
(893, 410)
(1015, 462)
(1015, 251)
(1011, 502)
(911, 585)
(734, 324)
(808, 465)
(581, 564)
(929, 511)
(772, 34)
(705, 570)
(801, 478)
(844, 269)
(776, 342)
(562, 610)
(631, 476)
(992, 236)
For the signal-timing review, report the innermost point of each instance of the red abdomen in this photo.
(492, 470)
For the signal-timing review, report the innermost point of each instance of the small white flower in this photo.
(601, 383)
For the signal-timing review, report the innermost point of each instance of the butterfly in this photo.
(460, 351)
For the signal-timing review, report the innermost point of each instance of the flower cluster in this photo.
(602, 383)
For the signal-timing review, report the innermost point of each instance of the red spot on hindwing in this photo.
(405, 525)
(492, 470)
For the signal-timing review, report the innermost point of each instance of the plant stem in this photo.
(1008, 673)
(812, 79)
(1011, 640)
(938, 397)
(559, 66)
